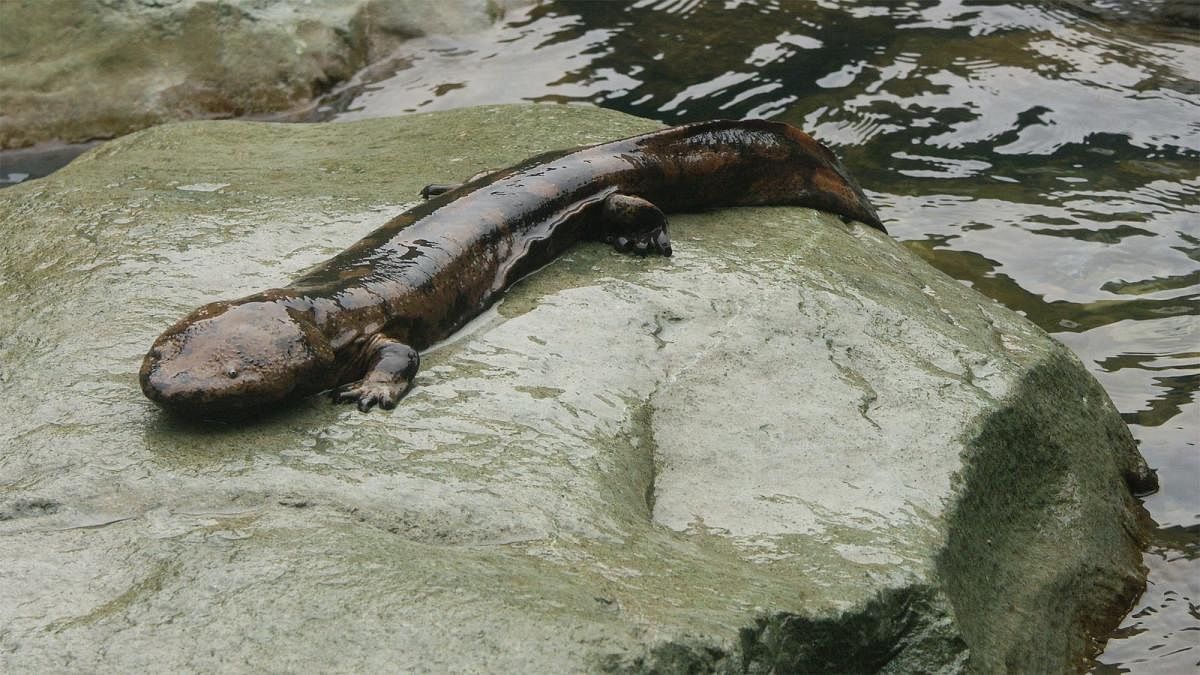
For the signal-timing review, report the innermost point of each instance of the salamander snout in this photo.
(227, 358)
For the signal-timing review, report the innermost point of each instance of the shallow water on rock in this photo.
(1045, 153)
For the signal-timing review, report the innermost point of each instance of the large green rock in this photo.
(74, 70)
(791, 447)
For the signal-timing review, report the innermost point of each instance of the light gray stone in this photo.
(74, 70)
(791, 447)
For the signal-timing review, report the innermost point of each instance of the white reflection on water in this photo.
(509, 63)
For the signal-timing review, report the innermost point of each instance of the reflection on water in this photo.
(1046, 153)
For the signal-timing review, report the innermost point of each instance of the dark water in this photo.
(1046, 153)
(17, 166)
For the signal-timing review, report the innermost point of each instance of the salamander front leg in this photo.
(634, 225)
(393, 365)
(434, 189)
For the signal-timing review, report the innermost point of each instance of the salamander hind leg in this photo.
(633, 225)
(393, 365)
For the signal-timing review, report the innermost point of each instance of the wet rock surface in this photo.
(793, 446)
(74, 70)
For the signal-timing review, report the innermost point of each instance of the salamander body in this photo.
(355, 323)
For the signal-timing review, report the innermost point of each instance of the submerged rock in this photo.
(792, 447)
(74, 70)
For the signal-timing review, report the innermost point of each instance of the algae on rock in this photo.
(793, 446)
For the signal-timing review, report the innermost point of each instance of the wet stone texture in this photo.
(74, 70)
(791, 447)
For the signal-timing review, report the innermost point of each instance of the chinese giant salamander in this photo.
(354, 324)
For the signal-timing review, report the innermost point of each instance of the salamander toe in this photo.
(368, 394)
(653, 242)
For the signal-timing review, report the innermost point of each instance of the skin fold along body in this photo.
(356, 323)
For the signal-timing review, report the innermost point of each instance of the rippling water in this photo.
(1046, 153)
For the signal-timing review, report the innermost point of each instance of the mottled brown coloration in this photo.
(356, 321)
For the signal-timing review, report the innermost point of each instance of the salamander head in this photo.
(230, 358)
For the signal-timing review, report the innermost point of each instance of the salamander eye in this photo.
(231, 372)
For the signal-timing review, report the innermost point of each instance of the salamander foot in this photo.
(633, 225)
(387, 380)
(368, 394)
(655, 241)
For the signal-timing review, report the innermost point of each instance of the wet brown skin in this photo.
(351, 321)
